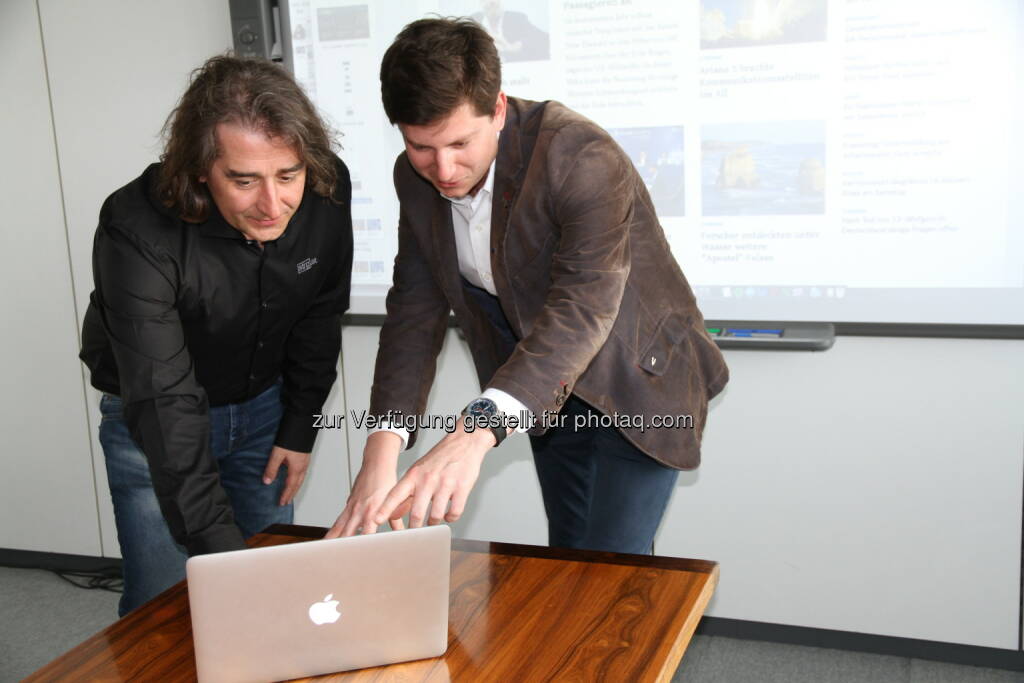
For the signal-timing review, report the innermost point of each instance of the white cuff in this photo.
(385, 426)
(511, 407)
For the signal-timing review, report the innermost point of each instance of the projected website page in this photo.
(809, 160)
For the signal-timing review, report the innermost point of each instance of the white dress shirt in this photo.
(471, 220)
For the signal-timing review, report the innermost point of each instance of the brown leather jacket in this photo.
(585, 277)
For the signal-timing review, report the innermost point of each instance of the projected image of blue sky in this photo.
(745, 23)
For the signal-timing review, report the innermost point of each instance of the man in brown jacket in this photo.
(532, 225)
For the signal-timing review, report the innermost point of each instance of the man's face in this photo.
(455, 153)
(256, 181)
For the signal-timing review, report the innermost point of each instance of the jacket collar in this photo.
(508, 170)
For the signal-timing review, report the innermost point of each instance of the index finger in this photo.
(399, 493)
(358, 523)
(339, 524)
(396, 521)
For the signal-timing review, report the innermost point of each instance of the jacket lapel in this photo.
(443, 234)
(507, 182)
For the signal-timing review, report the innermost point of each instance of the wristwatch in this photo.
(486, 414)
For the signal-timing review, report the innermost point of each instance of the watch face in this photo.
(482, 407)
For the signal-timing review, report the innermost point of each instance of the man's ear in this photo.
(500, 109)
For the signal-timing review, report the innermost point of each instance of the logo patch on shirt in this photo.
(303, 266)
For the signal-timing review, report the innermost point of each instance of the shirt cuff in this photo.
(296, 432)
(385, 426)
(511, 407)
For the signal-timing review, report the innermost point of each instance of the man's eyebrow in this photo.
(463, 140)
(249, 174)
(240, 174)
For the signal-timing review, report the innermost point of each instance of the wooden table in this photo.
(517, 613)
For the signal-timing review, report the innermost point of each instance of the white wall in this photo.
(875, 487)
(47, 471)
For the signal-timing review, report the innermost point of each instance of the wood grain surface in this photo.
(517, 613)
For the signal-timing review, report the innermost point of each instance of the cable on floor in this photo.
(106, 579)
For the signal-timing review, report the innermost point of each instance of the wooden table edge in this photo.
(682, 642)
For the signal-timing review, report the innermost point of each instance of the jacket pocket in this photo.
(665, 344)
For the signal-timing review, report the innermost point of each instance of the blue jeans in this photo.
(600, 491)
(241, 438)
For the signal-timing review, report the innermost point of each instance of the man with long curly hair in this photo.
(221, 274)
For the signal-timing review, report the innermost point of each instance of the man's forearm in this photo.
(382, 449)
(184, 474)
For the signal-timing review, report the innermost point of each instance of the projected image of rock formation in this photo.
(766, 168)
(738, 170)
(811, 179)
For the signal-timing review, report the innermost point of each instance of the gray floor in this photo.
(728, 660)
(41, 617)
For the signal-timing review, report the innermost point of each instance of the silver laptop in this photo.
(311, 608)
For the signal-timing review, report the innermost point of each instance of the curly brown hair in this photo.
(252, 93)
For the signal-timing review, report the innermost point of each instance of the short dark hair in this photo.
(252, 93)
(434, 65)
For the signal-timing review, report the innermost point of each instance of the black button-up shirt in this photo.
(185, 316)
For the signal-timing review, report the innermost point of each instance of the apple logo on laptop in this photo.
(325, 612)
